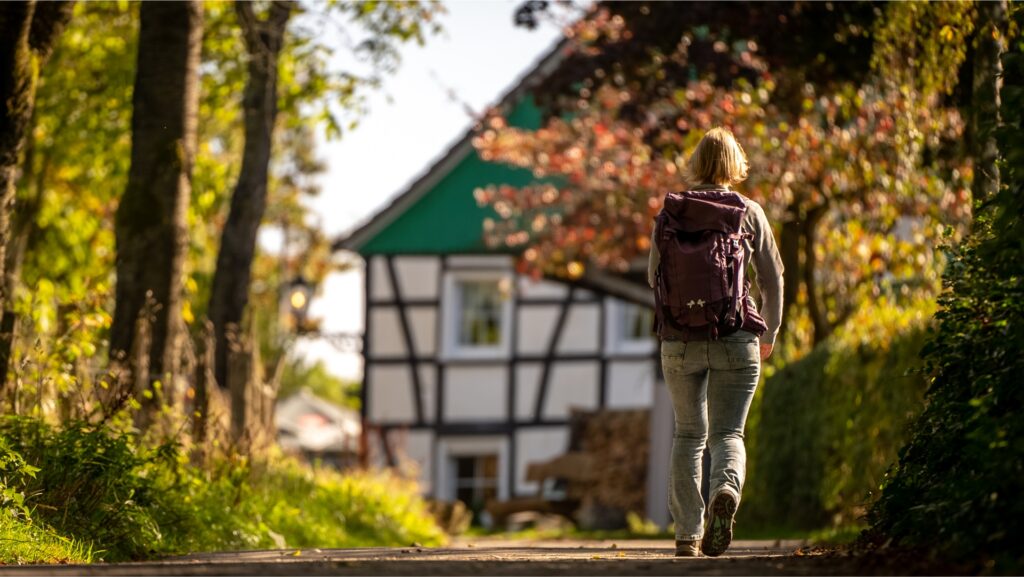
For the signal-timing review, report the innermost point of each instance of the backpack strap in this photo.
(739, 276)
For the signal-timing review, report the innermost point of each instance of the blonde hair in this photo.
(718, 159)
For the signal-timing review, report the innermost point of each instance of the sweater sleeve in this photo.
(768, 270)
(652, 261)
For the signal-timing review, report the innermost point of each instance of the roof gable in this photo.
(437, 213)
(448, 219)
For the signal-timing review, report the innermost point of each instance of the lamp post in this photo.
(297, 295)
(295, 298)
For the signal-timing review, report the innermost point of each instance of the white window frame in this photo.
(449, 448)
(451, 309)
(615, 342)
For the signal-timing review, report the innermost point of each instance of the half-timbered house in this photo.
(470, 369)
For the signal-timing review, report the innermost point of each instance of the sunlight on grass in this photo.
(22, 542)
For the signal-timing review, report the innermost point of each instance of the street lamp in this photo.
(297, 296)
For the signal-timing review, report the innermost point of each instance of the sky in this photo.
(411, 121)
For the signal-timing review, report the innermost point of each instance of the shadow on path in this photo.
(481, 557)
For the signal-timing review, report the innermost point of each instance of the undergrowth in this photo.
(81, 492)
(955, 494)
(825, 428)
(23, 542)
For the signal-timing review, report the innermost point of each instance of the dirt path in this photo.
(483, 557)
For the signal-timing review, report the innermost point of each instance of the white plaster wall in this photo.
(537, 445)
(428, 386)
(390, 394)
(572, 385)
(415, 456)
(423, 324)
(380, 286)
(527, 384)
(386, 333)
(536, 324)
(417, 276)
(540, 289)
(479, 261)
(630, 384)
(475, 393)
(582, 330)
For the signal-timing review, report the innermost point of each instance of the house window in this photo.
(636, 323)
(476, 480)
(629, 327)
(478, 314)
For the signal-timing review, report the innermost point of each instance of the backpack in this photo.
(701, 291)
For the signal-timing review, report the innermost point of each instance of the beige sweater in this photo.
(764, 255)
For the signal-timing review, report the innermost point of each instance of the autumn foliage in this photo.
(860, 177)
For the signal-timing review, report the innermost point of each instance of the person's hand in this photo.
(766, 351)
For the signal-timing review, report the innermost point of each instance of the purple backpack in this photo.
(702, 290)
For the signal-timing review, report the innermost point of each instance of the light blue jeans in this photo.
(711, 384)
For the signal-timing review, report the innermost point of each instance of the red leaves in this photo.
(856, 152)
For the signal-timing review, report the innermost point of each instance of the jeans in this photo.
(712, 384)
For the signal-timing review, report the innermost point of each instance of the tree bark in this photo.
(789, 250)
(28, 31)
(987, 81)
(816, 309)
(150, 226)
(230, 292)
(21, 239)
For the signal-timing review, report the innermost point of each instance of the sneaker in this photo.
(718, 534)
(687, 548)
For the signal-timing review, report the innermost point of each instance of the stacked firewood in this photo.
(603, 473)
(616, 443)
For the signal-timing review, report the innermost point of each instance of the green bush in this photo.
(106, 498)
(289, 504)
(957, 490)
(14, 472)
(87, 485)
(829, 425)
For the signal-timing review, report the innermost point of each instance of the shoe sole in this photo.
(719, 533)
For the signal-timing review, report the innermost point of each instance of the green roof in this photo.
(439, 214)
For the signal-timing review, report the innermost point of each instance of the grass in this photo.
(22, 542)
(282, 503)
(83, 493)
(323, 508)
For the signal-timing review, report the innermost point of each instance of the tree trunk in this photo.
(988, 70)
(230, 292)
(22, 240)
(203, 387)
(150, 226)
(816, 309)
(789, 250)
(28, 31)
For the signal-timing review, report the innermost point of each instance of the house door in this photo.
(476, 481)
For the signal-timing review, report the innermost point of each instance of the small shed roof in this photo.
(310, 423)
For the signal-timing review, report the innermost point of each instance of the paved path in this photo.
(482, 557)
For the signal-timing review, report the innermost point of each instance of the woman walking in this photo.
(713, 337)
